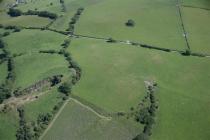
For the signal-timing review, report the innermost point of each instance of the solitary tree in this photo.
(130, 23)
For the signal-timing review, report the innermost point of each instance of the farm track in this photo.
(53, 121)
(91, 109)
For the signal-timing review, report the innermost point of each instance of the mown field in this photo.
(113, 74)
(77, 122)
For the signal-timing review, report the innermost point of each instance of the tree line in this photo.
(74, 20)
(146, 114)
(6, 88)
(16, 12)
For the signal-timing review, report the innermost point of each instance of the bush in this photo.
(6, 34)
(2, 45)
(48, 51)
(111, 40)
(66, 43)
(65, 88)
(130, 23)
(141, 136)
(17, 29)
(5, 93)
(14, 12)
(187, 53)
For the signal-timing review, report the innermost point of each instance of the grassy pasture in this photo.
(183, 81)
(110, 78)
(4, 4)
(34, 67)
(44, 104)
(62, 22)
(78, 123)
(41, 5)
(33, 40)
(26, 21)
(156, 22)
(3, 72)
(197, 3)
(9, 125)
(197, 23)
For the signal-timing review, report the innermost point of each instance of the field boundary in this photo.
(190, 6)
(182, 24)
(91, 109)
(97, 110)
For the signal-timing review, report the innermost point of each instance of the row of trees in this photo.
(146, 115)
(42, 14)
(24, 130)
(6, 88)
(72, 64)
(74, 19)
(63, 6)
(16, 12)
(32, 130)
(10, 27)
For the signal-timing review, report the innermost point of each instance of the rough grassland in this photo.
(33, 41)
(3, 72)
(157, 22)
(110, 77)
(197, 23)
(183, 81)
(44, 104)
(32, 68)
(78, 123)
(9, 125)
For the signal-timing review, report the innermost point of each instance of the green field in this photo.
(197, 3)
(25, 21)
(179, 101)
(45, 104)
(150, 18)
(28, 41)
(77, 122)
(195, 21)
(9, 125)
(42, 66)
(113, 75)
(41, 5)
(3, 72)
